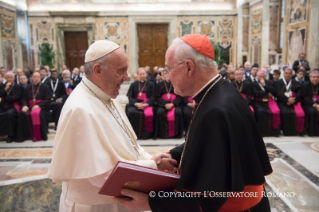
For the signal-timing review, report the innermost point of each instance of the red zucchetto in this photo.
(201, 44)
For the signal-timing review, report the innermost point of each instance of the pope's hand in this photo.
(158, 157)
(138, 201)
(168, 165)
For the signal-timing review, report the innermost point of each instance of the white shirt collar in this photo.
(99, 93)
(215, 77)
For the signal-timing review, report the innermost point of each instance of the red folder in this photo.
(138, 178)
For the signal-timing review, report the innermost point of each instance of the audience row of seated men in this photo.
(285, 104)
(154, 110)
(26, 107)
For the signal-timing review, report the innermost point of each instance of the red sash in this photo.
(245, 96)
(35, 117)
(275, 112)
(243, 202)
(170, 114)
(300, 115)
(17, 106)
(148, 113)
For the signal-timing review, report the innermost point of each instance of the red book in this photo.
(137, 178)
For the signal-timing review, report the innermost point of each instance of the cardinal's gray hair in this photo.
(184, 51)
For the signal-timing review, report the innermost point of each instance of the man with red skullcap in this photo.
(218, 155)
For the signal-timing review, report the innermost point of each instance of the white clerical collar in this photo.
(215, 77)
(99, 93)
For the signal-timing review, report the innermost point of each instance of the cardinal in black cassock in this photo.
(310, 103)
(35, 114)
(188, 106)
(58, 97)
(224, 150)
(289, 94)
(266, 109)
(169, 117)
(140, 110)
(10, 95)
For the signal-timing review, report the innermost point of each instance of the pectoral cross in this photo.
(168, 95)
(34, 101)
(140, 94)
(314, 99)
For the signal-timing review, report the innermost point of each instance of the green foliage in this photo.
(46, 55)
(218, 54)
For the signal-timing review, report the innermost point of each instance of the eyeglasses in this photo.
(170, 68)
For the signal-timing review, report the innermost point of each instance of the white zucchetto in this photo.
(99, 49)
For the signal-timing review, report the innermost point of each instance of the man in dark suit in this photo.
(19, 72)
(75, 77)
(44, 75)
(268, 73)
(300, 77)
(301, 62)
(58, 96)
(23, 81)
(253, 73)
(247, 67)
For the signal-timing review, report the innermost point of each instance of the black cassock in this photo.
(244, 88)
(187, 112)
(25, 124)
(9, 109)
(137, 117)
(263, 112)
(224, 152)
(57, 92)
(288, 118)
(309, 99)
(167, 128)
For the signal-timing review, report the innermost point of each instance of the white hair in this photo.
(66, 72)
(9, 73)
(184, 51)
(103, 61)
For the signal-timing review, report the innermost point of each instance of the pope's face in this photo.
(114, 73)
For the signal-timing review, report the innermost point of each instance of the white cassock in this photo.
(88, 144)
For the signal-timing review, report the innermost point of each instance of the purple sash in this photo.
(170, 114)
(275, 112)
(35, 117)
(148, 113)
(300, 115)
(190, 99)
(244, 96)
(16, 105)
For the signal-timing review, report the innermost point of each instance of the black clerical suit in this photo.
(310, 98)
(58, 91)
(25, 124)
(136, 116)
(224, 151)
(9, 109)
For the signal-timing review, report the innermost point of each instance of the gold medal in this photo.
(140, 94)
(34, 101)
(168, 95)
(52, 99)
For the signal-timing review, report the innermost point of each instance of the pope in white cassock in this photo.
(94, 134)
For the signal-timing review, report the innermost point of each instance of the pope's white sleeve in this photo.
(99, 180)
